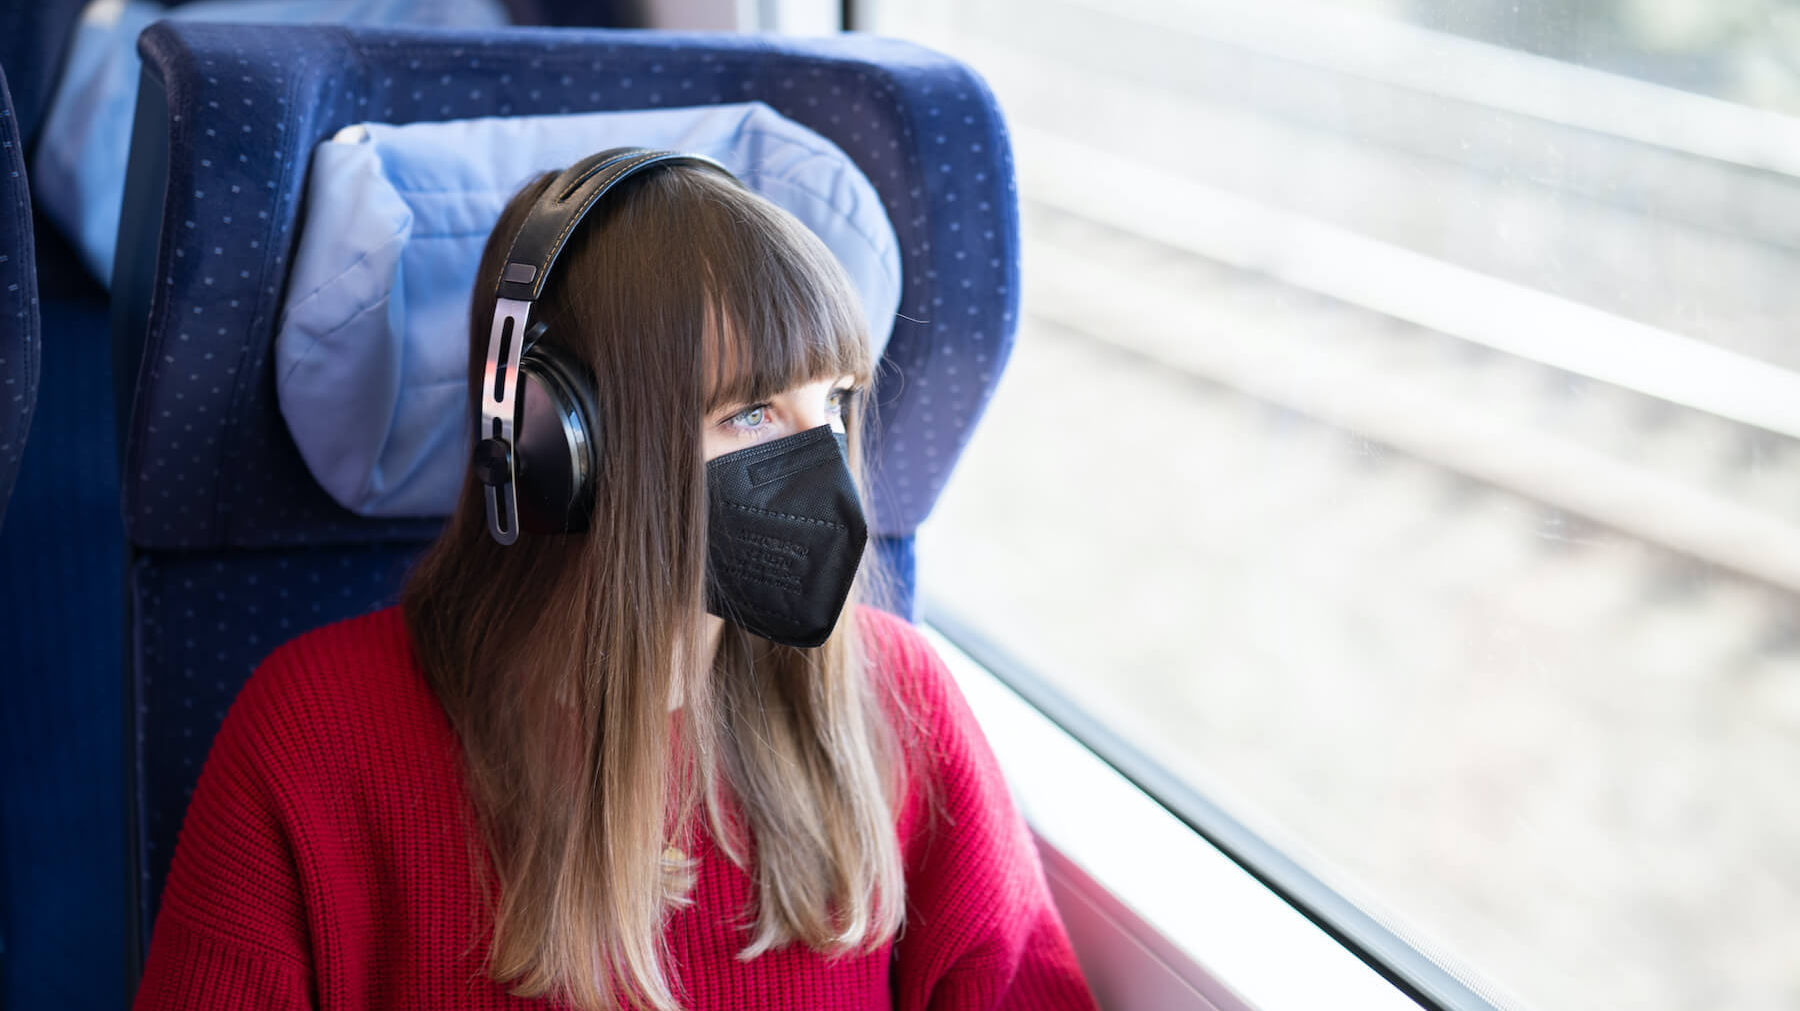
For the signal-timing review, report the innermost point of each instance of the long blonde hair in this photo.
(554, 658)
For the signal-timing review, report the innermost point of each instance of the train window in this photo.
(1402, 448)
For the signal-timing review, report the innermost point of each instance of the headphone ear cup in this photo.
(557, 440)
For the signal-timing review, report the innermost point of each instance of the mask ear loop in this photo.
(495, 458)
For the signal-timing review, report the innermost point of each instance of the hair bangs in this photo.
(781, 311)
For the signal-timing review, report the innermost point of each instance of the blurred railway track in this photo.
(1404, 443)
(1715, 491)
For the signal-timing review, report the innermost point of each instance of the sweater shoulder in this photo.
(905, 658)
(361, 655)
(941, 727)
(377, 639)
(334, 691)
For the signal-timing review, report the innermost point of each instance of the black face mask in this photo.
(786, 533)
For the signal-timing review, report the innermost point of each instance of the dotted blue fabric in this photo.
(63, 840)
(216, 617)
(18, 301)
(209, 463)
(34, 37)
(238, 549)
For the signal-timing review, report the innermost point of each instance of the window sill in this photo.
(1160, 917)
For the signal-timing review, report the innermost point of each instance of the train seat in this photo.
(79, 158)
(35, 37)
(62, 778)
(234, 546)
(372, 354)
(18, 301)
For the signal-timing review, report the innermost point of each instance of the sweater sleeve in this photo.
(981, 932)
(231, 928)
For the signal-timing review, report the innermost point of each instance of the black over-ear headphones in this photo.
(539, 449)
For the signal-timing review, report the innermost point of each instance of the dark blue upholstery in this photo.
(63, 754)
(47, 825)
(19, 365)
(236, 548)
(248, 104)
(62, 727)
(62, 767)
(33, 37)
(18, 301)
(573, 13)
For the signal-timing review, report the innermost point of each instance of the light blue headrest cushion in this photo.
(78, 171)
(372, 352)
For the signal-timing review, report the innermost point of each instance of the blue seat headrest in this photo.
(226, 130)
(79, 165)
(371, 357)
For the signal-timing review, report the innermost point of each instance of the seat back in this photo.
(235, 547)
(18, 301)
(33, 38)
(62, 741)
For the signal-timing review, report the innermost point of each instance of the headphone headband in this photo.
(533, 251)
(574, 191)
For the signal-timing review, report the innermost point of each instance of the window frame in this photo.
(1042, 738)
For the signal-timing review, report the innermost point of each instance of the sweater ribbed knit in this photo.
(324, 862)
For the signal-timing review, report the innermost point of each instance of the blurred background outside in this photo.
(1403, 445)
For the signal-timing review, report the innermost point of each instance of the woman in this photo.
(555, 775)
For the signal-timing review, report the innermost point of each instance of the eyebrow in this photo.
(844, 381)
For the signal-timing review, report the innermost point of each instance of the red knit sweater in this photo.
(322, 863)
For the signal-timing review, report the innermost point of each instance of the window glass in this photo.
(1403, 445)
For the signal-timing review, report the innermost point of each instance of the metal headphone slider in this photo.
(495, 458)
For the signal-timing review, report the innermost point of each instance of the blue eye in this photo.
(839, 400)
(751, 418)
